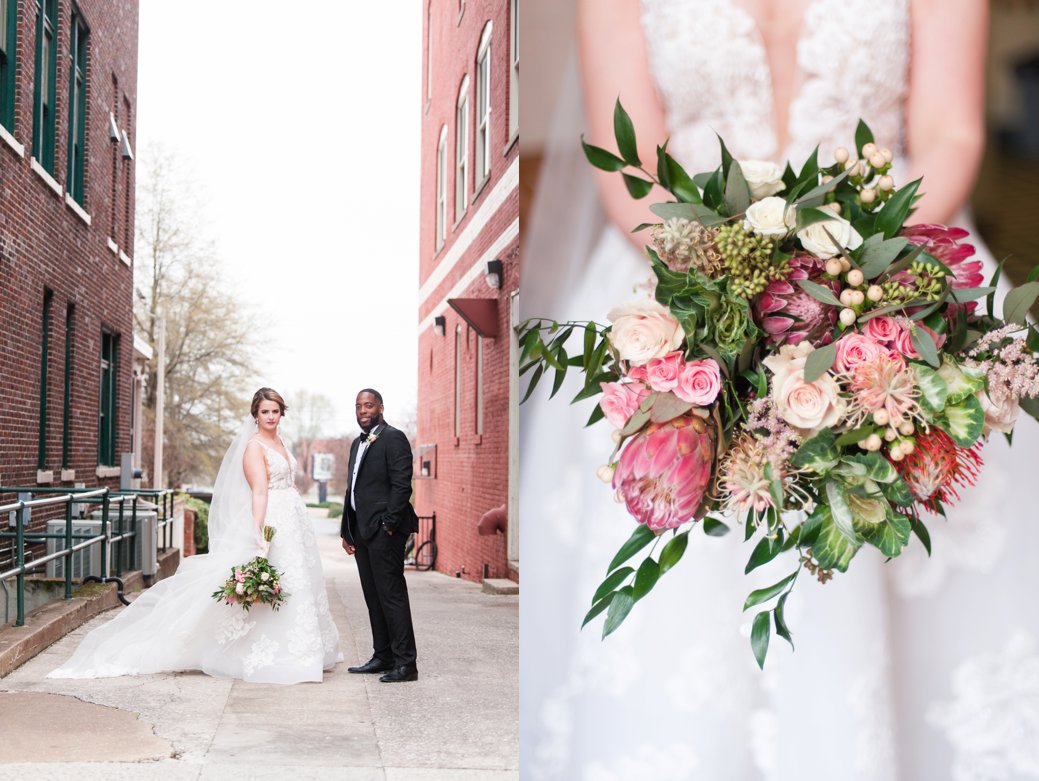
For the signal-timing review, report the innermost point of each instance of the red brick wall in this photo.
(44, 244)
(472, 474)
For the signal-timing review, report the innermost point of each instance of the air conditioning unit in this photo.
(88, 560)
(84, 562)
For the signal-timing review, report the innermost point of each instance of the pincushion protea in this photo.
(936, 467)
(665, 470)
(788, 314)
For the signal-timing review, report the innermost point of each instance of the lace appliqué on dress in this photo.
(261, 655)
(992, 723)
(236, 625)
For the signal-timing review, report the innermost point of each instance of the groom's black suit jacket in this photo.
(383, 488)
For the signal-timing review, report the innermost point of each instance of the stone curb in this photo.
(502, 586)
(51, 622)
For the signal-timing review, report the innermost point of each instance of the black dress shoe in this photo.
(407, 672)
(373, 665)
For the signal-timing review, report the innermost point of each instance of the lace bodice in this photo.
(281, 473)
(712, 71)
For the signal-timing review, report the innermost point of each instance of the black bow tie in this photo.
(365, 434)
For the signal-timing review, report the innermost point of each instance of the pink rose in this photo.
(637, 373)
(903, 342)
(699, 382)
(620, 399)
(808, 406)
(662, 373)
(643, 331)
(239, 576)
(881, 329)
(854, 348)
(1001, 416)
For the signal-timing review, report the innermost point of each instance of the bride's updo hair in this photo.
(267, 394)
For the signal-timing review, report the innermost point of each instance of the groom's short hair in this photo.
(375, 393)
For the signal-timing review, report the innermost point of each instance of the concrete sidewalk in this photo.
(458, 721)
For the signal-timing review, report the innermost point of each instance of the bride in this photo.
(913, 669)
(176, 625)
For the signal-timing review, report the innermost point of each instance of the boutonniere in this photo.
(372, 438)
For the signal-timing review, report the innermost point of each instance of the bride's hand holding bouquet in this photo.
(810, 366)
(254, 581)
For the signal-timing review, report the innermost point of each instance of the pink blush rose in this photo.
(881, 329)
(807, 406)
(903, 342)
(854, 349)
(620, 399)
(699, 382)
(662, 373)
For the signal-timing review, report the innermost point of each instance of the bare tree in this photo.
(308, 419)
(209, 343)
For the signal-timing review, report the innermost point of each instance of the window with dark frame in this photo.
(48, 296)
(8, 52)
(78, 43)
(107, 408)
(66, 413)
(44, 84)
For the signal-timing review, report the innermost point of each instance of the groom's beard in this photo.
(374, 422)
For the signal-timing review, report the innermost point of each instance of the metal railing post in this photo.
(19, 561)
(68, 549)
(138, 538)
(104, 533)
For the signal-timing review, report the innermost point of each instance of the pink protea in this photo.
(788, 314)
(883, 384)
(664, 471)
(944, 243)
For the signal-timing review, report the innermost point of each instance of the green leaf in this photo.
(819, 454)
(878, 468)
(840, 511)
(961, 294)
(765, 551)
(830, 548)
(854, 436)
(806, 217)
(601, 159)
(613, 580)
(596, 416)
(775, 485)
(624, 131)
(1030, 405)
(819, 361)
(924, 344)
(891, 536)
(765, 594)
(898, 493)
(638, 419)
(645, 578)
(673, 551)
(781, 628)
(964, 422)
(863, 136)
(991, 300)
(816, 195)
(961, 381)
(638, 187)
(737, 191)
(1018, 301)
(933, 390)
(893, 214)
(688, 211)
(533, 382)
(639, 539)
(877, 256)
(759, 635)
(921, 532)
(618, 610)
(668, 407)
(597, 608)
(819, 292)
(712, 527)
(678, 181)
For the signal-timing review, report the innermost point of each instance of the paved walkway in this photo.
(459, 721)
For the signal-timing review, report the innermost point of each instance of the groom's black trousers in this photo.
(380, 562)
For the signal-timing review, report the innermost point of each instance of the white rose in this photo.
(239, 588)
(771, 216)
(765, 178)
(265, 576)
(814, 238)
(643, 331)
(808, 406)
(1000, 417)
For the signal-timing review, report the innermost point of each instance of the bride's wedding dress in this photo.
(916, 669)
(177, 625)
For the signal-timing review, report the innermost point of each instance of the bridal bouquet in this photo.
(810, 366)
(255, 581)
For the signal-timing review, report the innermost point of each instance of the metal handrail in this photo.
(69, 496)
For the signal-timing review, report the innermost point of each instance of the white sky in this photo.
(302, 125)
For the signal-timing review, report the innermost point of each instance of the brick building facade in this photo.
(467, 452)
(68, 96)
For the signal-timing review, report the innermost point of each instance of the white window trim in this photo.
(440, 203)
(12, 142)
(462, 151)
(44, 174)
(482, 161)
(458, 382)
(79, 210)
(479, 385)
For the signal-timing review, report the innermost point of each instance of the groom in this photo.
(377, 518)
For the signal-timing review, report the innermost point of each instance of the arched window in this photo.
(462, 151)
